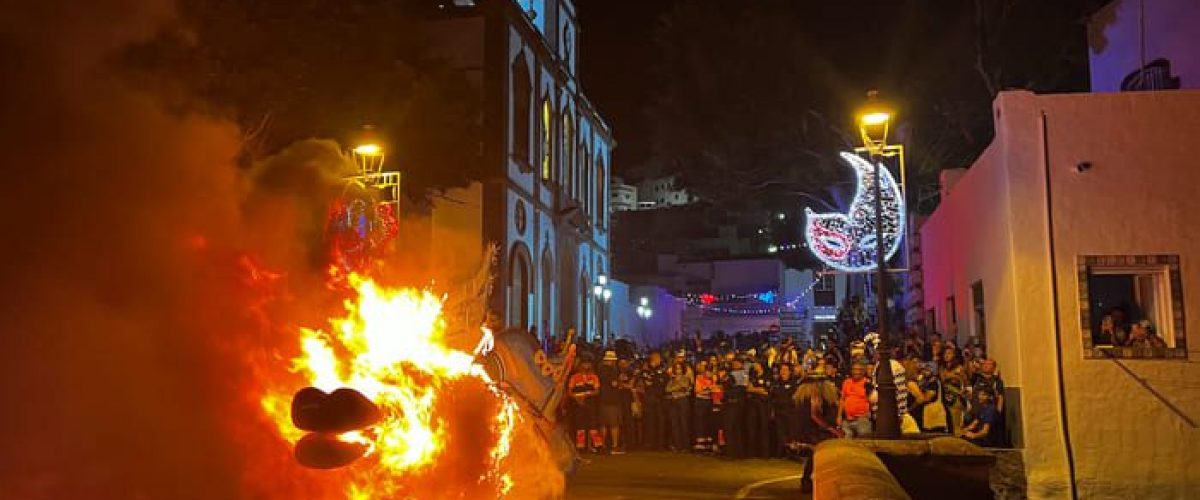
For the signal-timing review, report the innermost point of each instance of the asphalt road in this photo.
(647, 475)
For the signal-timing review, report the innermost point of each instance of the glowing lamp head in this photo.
(598, 290)
(368, 149)
(644, 301)
(607, 294)
(874, 121)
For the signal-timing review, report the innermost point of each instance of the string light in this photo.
(847, 241)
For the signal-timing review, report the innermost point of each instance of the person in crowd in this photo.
(717, 394)
(652, 384)
(631, 405)
(954, 387)
(612, 399)
(904, 388)
(702, 408)
(988, 379)
(981, 423)
(832, 371)
(817, 401)
(933, 350)
(679, 388)
(783, 411)
(854, 409)
(733, 409)
(584, 387)
(930, 409)
(757, 411)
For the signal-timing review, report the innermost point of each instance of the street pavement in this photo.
(655, 475)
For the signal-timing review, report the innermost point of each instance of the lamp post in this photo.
(874, 120)
(603, 295)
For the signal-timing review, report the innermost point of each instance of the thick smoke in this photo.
(123, 306)
(135, 321)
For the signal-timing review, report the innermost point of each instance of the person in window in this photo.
(854, 410)
(982, 423)
(1143, 335)
(1107, 334)
(1120, 326)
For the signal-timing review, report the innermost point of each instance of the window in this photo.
(518, 288)
(601, 194)
(978, 310)
(823, 292)
(547, 144)
(951, 319)
(521, 112)
(568, 151)
(1131, 306)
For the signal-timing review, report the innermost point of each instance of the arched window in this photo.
(547, 293)
(568, 151)
(547, 144)
(518, 288)
(601, 193)
(522, 112)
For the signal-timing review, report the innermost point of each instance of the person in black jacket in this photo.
(783, 411)
(757, 419)
(733, 405)
(652, 382)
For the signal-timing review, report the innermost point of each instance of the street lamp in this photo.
(874, 121)
(603, 295)
(644, 310)
(368, 152)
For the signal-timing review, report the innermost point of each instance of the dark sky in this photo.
(888, 44)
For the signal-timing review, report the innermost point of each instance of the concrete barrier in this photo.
(844, 470)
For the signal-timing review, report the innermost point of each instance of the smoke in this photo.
(143, 273)
(122, 303)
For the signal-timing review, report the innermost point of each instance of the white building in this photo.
(1083, 204)
(624, 196)
(546, 205)
(663, 193)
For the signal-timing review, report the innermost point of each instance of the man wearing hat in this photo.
(612, 394)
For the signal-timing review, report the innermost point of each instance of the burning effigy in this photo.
(390, 400)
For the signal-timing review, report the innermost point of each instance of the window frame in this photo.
(1171, 279)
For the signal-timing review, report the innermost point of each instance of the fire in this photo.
(390, 347)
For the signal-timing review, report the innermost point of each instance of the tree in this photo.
(286, 71)
(742, 114)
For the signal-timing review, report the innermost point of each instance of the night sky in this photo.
(912, 49)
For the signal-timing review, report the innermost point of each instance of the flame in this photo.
(390, 347)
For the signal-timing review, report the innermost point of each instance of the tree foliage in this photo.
(291, 70)
(756, 98)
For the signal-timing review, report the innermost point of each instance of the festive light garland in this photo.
(847, 241)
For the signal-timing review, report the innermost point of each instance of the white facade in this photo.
(624, 196)
(1130, 34)
(1075, 189)
(547, 206)
(663, 193)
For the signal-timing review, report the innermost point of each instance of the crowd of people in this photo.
(764, 395)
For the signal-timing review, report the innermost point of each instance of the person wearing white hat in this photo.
(612, 387)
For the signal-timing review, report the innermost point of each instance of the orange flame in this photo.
(390, 347)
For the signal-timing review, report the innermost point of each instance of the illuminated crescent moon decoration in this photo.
(846, 242)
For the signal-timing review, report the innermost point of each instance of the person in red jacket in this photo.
(584, 387)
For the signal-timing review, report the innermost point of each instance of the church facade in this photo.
(545, 201)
